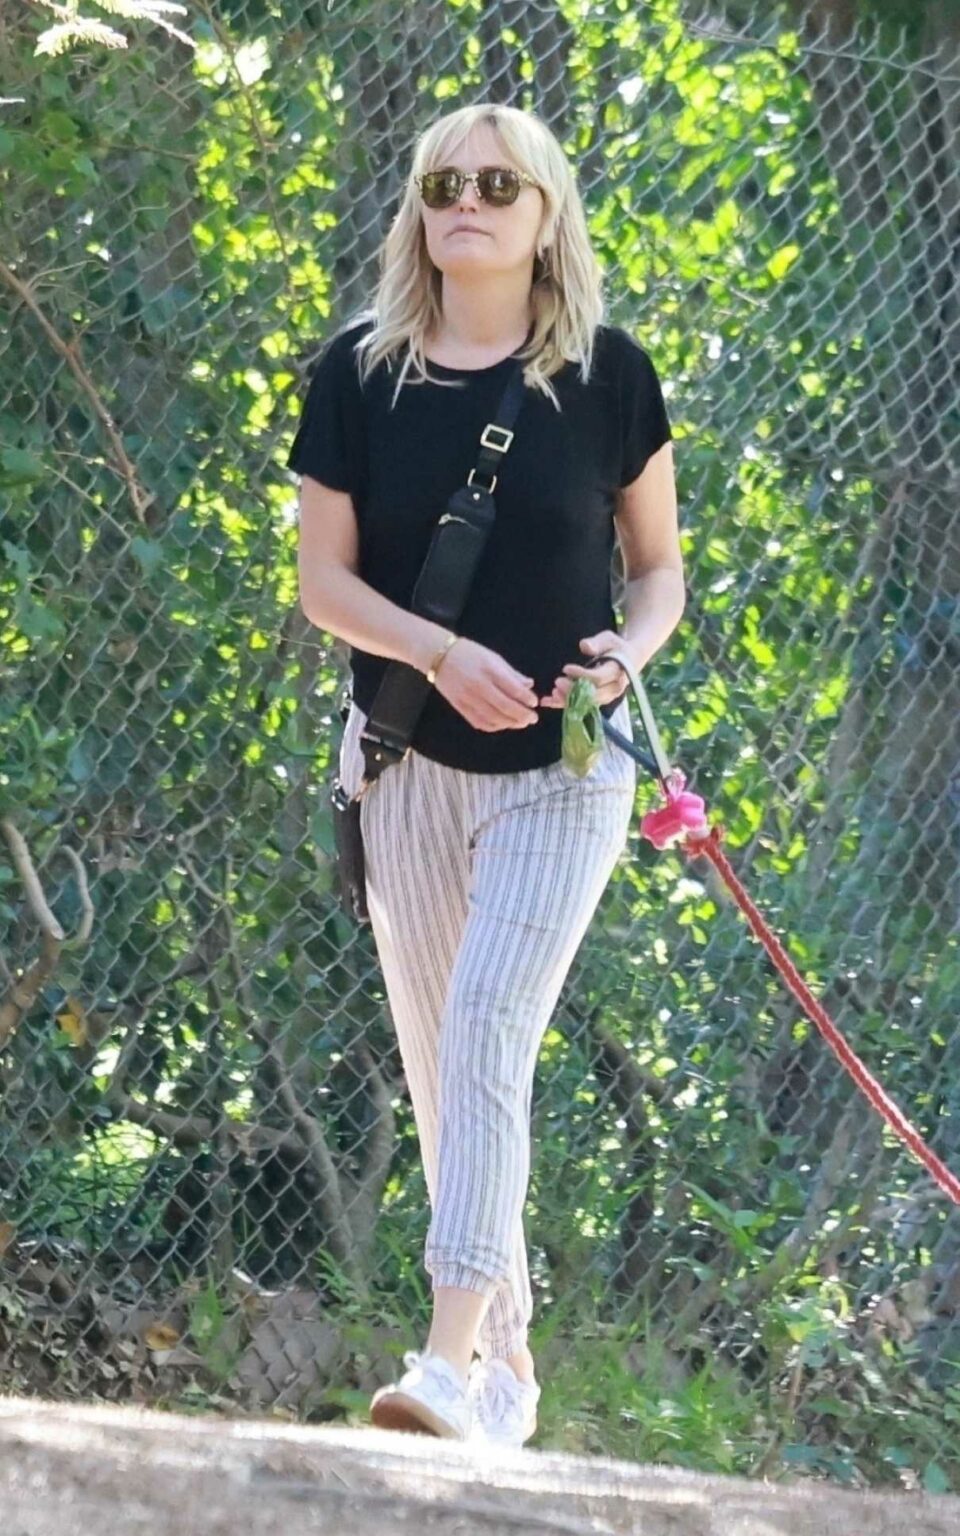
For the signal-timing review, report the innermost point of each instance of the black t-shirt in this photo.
(544, 579)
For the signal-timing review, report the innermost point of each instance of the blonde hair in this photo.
(567, 290)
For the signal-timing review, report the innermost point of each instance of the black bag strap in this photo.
(443, 585)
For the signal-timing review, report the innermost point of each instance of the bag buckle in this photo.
(339, 796)
(487, 488)
(491, 426)
(388, 754)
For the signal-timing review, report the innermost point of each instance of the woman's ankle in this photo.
(455, 1357)
(521, 1364)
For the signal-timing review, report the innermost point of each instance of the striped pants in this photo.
(480, 888)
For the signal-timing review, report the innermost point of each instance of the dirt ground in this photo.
(103, 1471)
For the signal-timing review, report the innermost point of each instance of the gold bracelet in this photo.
(432, 669)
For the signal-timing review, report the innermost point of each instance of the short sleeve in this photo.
(644, 424)
(325, 443)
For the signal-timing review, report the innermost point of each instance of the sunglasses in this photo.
(496, 184)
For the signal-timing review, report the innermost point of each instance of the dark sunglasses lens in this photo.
(439, 188)
(499, 186)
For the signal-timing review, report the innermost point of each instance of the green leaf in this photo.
(79, 763)
(934, 1478)
(20, 466)
(148, 552)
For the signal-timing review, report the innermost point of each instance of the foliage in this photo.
(734, 1267)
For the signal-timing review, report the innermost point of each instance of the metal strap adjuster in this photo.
(487, 488)
(491, 426)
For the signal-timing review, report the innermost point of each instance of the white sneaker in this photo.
(504, 1407)
(430, 1399)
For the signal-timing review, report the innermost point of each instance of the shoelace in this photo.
(499, 1395)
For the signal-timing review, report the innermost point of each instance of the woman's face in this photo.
(502, 239)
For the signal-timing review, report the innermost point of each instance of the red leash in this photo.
(683, 820)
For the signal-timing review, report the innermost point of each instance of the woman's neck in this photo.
(478, 329)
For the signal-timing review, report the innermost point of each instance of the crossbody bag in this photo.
(440, 594)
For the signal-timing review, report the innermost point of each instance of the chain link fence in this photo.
(210, 1183)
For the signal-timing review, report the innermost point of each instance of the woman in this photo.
(485, 856)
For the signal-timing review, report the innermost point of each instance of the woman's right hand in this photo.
(489, 693)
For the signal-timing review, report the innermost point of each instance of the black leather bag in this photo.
(348, 844)
(440, 594)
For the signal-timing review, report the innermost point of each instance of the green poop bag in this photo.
(581, 728)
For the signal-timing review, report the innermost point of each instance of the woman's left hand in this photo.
(608, 678)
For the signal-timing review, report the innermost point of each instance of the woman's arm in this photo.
(336, 599)
(649, 537)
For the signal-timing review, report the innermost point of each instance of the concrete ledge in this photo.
(105, 1471)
